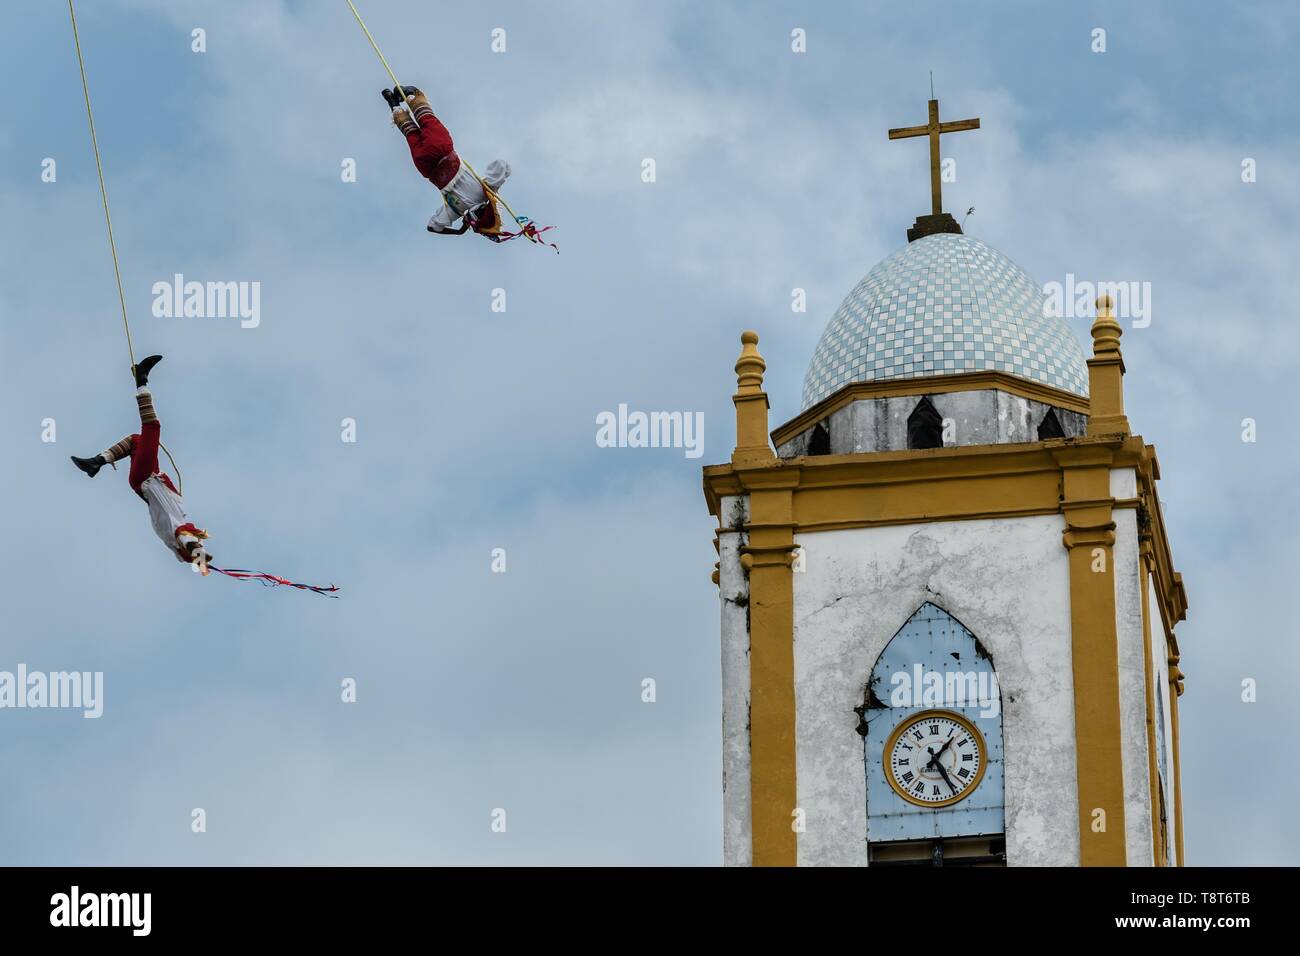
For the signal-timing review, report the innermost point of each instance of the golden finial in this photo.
(1105, 330)
(752, 447)
(1106, 374)
(750, 366)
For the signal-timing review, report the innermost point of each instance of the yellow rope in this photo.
(108, 219)
(103, 190)
(180, 482)
(488, 191)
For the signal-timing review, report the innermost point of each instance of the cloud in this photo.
(476, 428)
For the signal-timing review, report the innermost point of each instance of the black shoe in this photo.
(90, 466)
(142, 370)
(393, 99)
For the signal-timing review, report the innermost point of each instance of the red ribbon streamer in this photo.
(273, 581)
(529, 229)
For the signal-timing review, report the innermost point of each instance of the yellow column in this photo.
(1176, 691)
(1090, 538)
(766, 558)
(1152, 700)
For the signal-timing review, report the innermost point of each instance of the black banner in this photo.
(333, 905)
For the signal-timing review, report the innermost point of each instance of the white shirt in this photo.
(166, 514)
(462, 195)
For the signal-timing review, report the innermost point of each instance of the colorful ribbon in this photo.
(529, 230)
(273, 581)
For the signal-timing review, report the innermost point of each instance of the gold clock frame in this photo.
(920, 717)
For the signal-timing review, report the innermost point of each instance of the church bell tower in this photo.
(947, 595)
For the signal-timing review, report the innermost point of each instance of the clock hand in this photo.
(944, 773)
(934, 755)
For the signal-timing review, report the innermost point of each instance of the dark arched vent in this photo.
(819, 443)
(1050, 426)
(924, 426)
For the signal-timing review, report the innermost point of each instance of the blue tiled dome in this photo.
(942, 305)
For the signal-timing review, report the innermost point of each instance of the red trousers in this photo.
(144, 455)
(432, 151)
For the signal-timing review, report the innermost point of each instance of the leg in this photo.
(129, 444)
(144, 452)
(109, 455)
(406, 125)
(436, 136)
(121, 450)
(431, 145)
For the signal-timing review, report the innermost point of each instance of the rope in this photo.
(180, 482)
(108, 219)
(103, 190)
(488, 191)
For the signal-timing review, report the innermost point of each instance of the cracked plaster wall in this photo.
(1005, 579)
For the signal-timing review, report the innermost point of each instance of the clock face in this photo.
(934, 758)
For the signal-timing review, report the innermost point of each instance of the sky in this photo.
(521, 691)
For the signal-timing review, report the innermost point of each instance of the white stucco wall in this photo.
(1123, 483)
(1138, 841)
(733, 595)
(1007, 580)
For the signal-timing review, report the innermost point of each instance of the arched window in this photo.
(1050, 426)
(924, 426)
(931, 723)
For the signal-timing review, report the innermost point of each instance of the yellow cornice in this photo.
(929, 385)
(832, 492)
(1170, 592)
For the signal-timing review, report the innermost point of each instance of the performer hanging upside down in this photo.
(436, 159)
(166, 509)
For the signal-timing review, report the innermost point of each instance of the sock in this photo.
(119, 451)
(403, 121)
(144, 399)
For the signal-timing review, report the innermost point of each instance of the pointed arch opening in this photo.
(931, 724)
(1050, 426)
(925, 426)
(819, 443)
